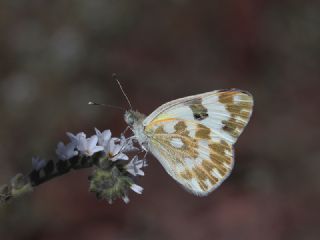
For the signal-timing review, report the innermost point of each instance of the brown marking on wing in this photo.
(186, 174)
(189, 147)
(240, 111)
(201, 177)
(203, 132)
(209, 166)
(181, 127)
(199, 111)
(220, 154)
(159, 130)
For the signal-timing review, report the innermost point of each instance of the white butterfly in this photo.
(193, 137)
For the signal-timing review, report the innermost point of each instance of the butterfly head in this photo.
(135, 121)
(132, 117)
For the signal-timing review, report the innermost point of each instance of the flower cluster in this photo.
(115, 163)
(113, 175)
(113, 147)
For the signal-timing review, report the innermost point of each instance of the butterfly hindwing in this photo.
(193, 137)
(199, 164)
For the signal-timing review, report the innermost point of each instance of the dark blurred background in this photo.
(55, 56)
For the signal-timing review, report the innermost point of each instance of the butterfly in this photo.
(193, 137)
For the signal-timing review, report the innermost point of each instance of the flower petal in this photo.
(82, 144)
(104, 137)
(135, 165)
(97, 149)
(65, 152)
(92, 141)
(120, 156)
(73, 137)
(136, 188)
(126, 199)
(127, 144)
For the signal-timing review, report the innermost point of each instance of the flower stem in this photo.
(21, 184)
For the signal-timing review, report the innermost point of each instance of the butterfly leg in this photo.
(125, 130)
(144, 164)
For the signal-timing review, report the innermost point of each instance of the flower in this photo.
(115, 150)
(127, 144)
(88, 146)
(136, 188)
(114, 147)
(104, 138)
(65, 152)
(135, 165)
(76, 138)
(110, 180)
(38, 163)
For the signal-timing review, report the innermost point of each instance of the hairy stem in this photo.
(22, 184)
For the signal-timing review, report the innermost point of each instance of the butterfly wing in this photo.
(193, 137)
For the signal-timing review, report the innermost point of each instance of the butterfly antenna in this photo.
(105, 105)
(115, 77)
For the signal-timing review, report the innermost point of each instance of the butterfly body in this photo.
(135, 120)
(193, 137)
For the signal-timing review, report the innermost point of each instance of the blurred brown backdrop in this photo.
(55, 56)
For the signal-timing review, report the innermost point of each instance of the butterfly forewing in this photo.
(226, 112)
(193, 136)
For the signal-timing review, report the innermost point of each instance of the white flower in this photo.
(136, 188)
(104, 139)
(126, 199)
(38, 163)
(66, 152)
(88, 146)
(115, 150)
(113, 147)
(127, 144)
(135, 165)
(76, 138)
